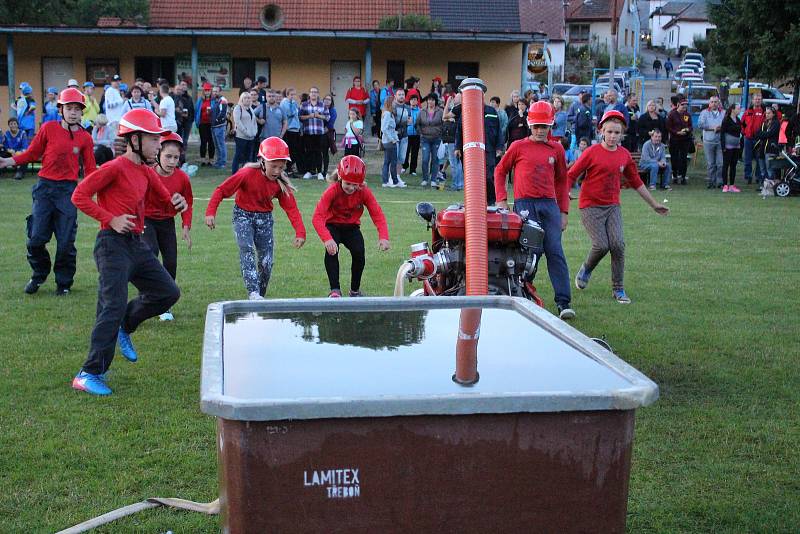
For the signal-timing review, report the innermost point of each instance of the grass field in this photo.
(714, 321)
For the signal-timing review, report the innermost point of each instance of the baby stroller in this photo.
(790, 182)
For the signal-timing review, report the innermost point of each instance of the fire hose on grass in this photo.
(209, 508)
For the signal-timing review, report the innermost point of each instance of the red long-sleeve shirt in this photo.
(177, 182)
(752, 120)
(59, 152)
(540, 171)
(121, 186)
(604, 170)
(255, 192)
(337, 207)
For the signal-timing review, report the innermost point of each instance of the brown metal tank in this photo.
(342, 416)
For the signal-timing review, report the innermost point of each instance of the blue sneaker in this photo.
(93, 384)
(620, 296)
(126, 346)
(582, 278)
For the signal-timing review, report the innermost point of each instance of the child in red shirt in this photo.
(255, 186)
(121, 254)
(605, 164)
(159, 220)
(60, 145)
(337, 220)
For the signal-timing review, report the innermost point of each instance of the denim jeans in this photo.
(430, 159)
(654, 170)
(123, 258)
(456, 169)
(545, 211)
(713, 152)
(53, 213)
(402, 148)
(763, 167)
(218, 134)
(389, 173)
(749, 156)
(244, 149)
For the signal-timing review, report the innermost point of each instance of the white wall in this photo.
(558, 57)
(601, 31)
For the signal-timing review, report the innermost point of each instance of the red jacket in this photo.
(121, 186)
(177, 182)
(337, 207)
(59, 152)
(357, 94)
(752, 120)
(604, 170)
(540, 171)
(255, 192)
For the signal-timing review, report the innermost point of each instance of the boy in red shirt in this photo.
(159, 220)
(120, 252)
(255, 186)
(604, 164)
(59, 144)
(541, 193)
(337, 220)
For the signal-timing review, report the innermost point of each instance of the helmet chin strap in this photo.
(138, 150)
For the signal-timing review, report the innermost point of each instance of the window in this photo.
(4, 70)
(100, 71)
(250, 68)
(396, 70)
(579, 33)
(151, 69)
(626, 36)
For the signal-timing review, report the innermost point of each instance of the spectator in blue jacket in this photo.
(219, 125)
(412, 154)
(387, 91)
(15, 141)
(26, 110)
(203, 118)
(51, 106)
(375, 107)
(293, 135)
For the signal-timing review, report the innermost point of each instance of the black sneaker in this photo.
(565, 313)
(31, 287)
(62, 291)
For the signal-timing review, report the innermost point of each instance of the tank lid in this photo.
(472, 83)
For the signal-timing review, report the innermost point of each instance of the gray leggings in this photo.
(253, 231)
(604, 226)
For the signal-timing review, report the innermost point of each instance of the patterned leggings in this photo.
(604, 226)
(253, 231)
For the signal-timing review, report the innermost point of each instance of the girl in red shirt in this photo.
(255, 186)
(357, 97)
(337, 220)
(159, 221)
(604, 165)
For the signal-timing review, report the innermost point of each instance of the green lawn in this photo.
(713, 321)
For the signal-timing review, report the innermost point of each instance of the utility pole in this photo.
(612, 56)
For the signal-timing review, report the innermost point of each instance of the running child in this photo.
(605, 164)
(256, 185)
(120, 252)
(159, 220)
(337, 220)
(60, 145)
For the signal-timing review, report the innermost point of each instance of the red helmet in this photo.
(612, 114)
(274, 148)
(141, 120)
(352, 169)
(71, 95)
(172, 137)
(540, 112)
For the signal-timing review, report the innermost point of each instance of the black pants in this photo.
(53, 213)
(121, 259)
(328, 149)
(678, 152)
(352, 150)
(160, 237)
(729, 159)
(206, 141)
(412, 154)
(312, 148)
(491, 163)
(376, 124)
(350, 236)
(295, 142)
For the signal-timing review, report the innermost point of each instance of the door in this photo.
(56, 72)
(458, 71)
(342, 74)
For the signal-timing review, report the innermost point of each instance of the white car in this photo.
(694, 63)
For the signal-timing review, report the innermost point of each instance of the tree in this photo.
(771, 35)
(410, 22)
(71, 12)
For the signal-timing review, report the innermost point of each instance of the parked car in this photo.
(561, 88)
(698, 95)
(700, 67)
(769, 94)
(619, 79)
(571, 96)
(536, 87)
(694, 55)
